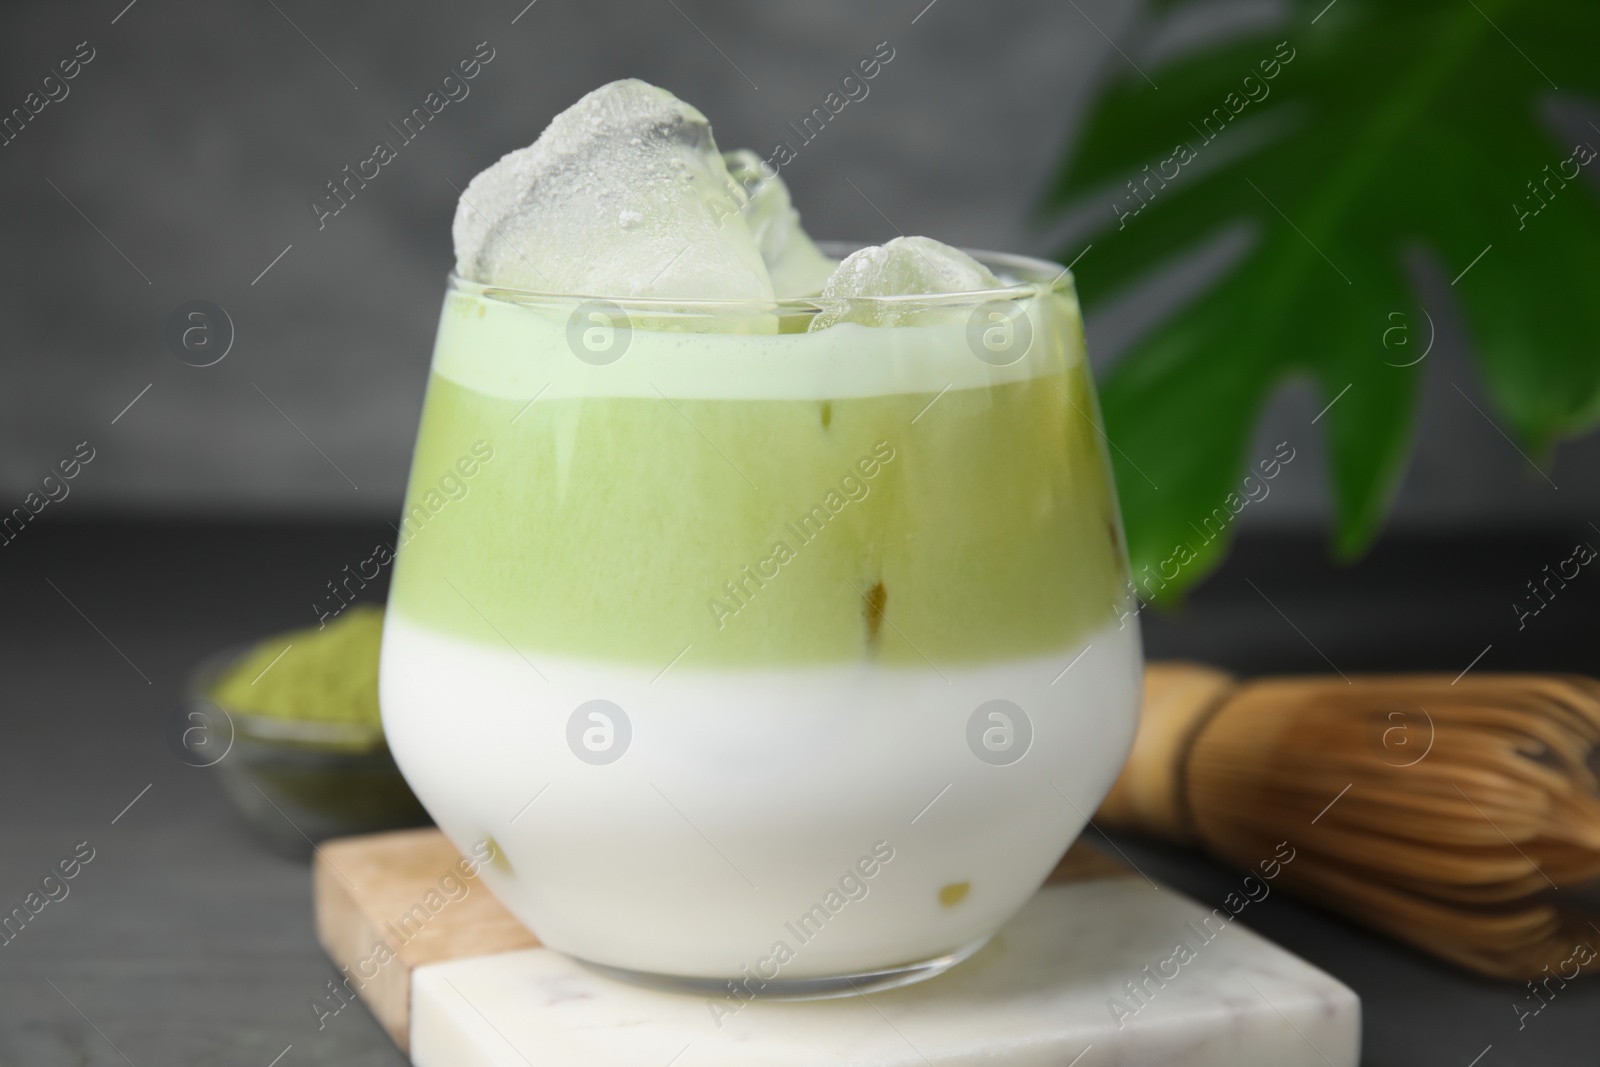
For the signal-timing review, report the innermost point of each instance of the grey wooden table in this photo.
(183, 941)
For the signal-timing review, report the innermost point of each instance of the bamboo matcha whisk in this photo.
(1442, 813)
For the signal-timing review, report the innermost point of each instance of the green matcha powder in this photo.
(327, 674)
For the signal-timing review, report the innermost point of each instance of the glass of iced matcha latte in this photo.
(762, 606)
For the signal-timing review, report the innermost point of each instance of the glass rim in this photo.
(1034, 276)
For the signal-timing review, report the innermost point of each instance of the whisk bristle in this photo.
(1451, 814)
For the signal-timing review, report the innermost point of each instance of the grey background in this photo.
(194, 139)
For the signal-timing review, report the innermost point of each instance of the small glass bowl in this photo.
(295, 781)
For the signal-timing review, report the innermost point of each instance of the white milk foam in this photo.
(517, 351)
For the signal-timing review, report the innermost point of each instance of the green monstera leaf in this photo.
(1348, 140)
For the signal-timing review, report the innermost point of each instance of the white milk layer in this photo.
(780, 824)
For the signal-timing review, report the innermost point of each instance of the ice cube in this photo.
(624, 195)
(906, 266)
(797, 266)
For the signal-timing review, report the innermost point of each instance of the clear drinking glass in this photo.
(767, 660)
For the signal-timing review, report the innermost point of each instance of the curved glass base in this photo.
(825, 988)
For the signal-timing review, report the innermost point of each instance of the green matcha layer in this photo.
(764, 531)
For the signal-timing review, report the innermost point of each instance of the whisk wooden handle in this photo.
(1179, 698)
